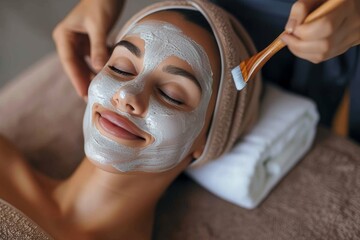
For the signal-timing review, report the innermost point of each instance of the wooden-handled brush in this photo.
(251, 66)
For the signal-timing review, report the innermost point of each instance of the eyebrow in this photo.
(130, 46)
(181, 72)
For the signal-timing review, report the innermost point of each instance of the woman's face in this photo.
(150, 104)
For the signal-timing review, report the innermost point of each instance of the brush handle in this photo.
(252, 65)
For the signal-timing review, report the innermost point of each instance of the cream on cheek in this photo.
(174, 131)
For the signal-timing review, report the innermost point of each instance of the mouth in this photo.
(118, 127)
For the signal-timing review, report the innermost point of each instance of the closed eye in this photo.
(121, 72)
(170, 99)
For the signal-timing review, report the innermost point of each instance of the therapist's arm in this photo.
(325, 37)
(83, 32)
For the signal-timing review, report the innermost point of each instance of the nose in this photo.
(131, 102)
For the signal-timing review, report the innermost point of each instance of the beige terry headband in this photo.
(235, 111)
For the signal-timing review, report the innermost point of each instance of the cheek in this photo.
(169, 130)
(171, 127)
(102, 88)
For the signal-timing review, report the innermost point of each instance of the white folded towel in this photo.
(283, 134)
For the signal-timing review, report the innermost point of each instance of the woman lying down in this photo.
(164, 100)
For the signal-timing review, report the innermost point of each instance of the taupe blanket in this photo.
(318, 199)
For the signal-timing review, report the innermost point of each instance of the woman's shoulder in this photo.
(18, 181)
(14, 170)
(12, 164)
(8, 153)
(21, 192)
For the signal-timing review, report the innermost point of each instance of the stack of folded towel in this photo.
(283, 134)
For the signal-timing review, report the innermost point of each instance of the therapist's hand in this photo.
(326, 37)
(82, 33)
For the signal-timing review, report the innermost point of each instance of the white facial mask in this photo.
(174, 131)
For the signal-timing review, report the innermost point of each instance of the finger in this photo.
(73, 63)
(311, 56)
(322, 46)
(313, 51)
(314, 58)
(322, 27)
(98, 49)
(299, 10)
(317, 51)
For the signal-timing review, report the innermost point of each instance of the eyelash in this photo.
(162, 93)
(170, 99)
(118, 71)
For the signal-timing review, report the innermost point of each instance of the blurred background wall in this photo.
(26, 27)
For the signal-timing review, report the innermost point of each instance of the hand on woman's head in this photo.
(82, 33)
(325, 37)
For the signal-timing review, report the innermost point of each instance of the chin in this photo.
(110, 169)
(105, 167)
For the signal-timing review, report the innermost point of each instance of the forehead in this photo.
(195, 31)
(163, 40)
(203, 36)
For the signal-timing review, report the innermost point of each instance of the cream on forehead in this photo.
(168, 40)
(174, 131)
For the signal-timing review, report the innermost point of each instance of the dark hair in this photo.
(194, 17)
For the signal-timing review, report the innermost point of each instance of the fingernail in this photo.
(85, 99)
(290, 26)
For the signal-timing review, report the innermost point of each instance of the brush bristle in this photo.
(238, 78)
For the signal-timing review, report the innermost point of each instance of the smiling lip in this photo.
(118, 126)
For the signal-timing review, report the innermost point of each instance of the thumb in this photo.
(98, 48)
(299, 10)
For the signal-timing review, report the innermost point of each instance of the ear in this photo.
(197, 153)
(199, 149)
(199, 144)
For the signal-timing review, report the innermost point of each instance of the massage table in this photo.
(318, 199)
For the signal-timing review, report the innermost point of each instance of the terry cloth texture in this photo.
(283, 135)
(15, 225)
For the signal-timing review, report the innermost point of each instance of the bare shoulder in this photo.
(15, 172)
(12, 164)
(9, 154)
(14, 169)
(18, 182)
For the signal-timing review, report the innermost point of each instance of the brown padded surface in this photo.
(318, 199)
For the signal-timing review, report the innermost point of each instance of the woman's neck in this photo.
(98, 201)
